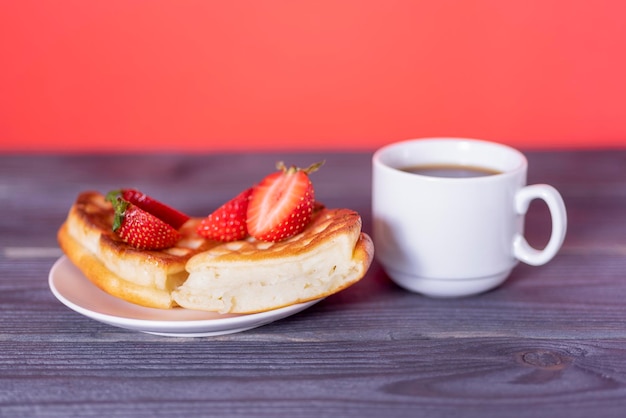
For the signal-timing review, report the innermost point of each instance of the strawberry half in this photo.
(140, 228)
(167, 214)
(282, 204)
(228, 222)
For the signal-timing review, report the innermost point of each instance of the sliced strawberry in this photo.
(166, 213)
(282, 204)
(139, 228)
(228, 222)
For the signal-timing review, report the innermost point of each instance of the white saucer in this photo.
(75, 291)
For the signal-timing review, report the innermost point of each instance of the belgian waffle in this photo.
(146, 278)
(237, 277)
(252, 276)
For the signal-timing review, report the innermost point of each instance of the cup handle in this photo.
(521, 249)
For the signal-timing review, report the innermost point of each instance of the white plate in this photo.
(75, 291)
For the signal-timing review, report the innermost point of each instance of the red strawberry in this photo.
(281, 205)
(167, 214)
(140, 228)
(145, 231)
(228, 222)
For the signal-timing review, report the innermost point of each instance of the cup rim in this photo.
(379, 154)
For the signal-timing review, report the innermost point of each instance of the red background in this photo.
(161, 75)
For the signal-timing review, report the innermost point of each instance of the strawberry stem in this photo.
(292, 169)
(119, 206)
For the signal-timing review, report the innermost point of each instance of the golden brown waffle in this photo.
(252, 276)
(143, 277)
(238, 277)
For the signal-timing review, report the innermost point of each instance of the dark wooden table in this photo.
(550, 342)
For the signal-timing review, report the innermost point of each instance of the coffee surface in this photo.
(450, 171)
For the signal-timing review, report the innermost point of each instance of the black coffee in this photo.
(451, 171)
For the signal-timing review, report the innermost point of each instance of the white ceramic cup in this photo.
(452, 237)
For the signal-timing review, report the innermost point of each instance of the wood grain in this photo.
(550, 342)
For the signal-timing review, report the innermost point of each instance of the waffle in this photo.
(252, 276)
(145, 278)
(237, 277)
